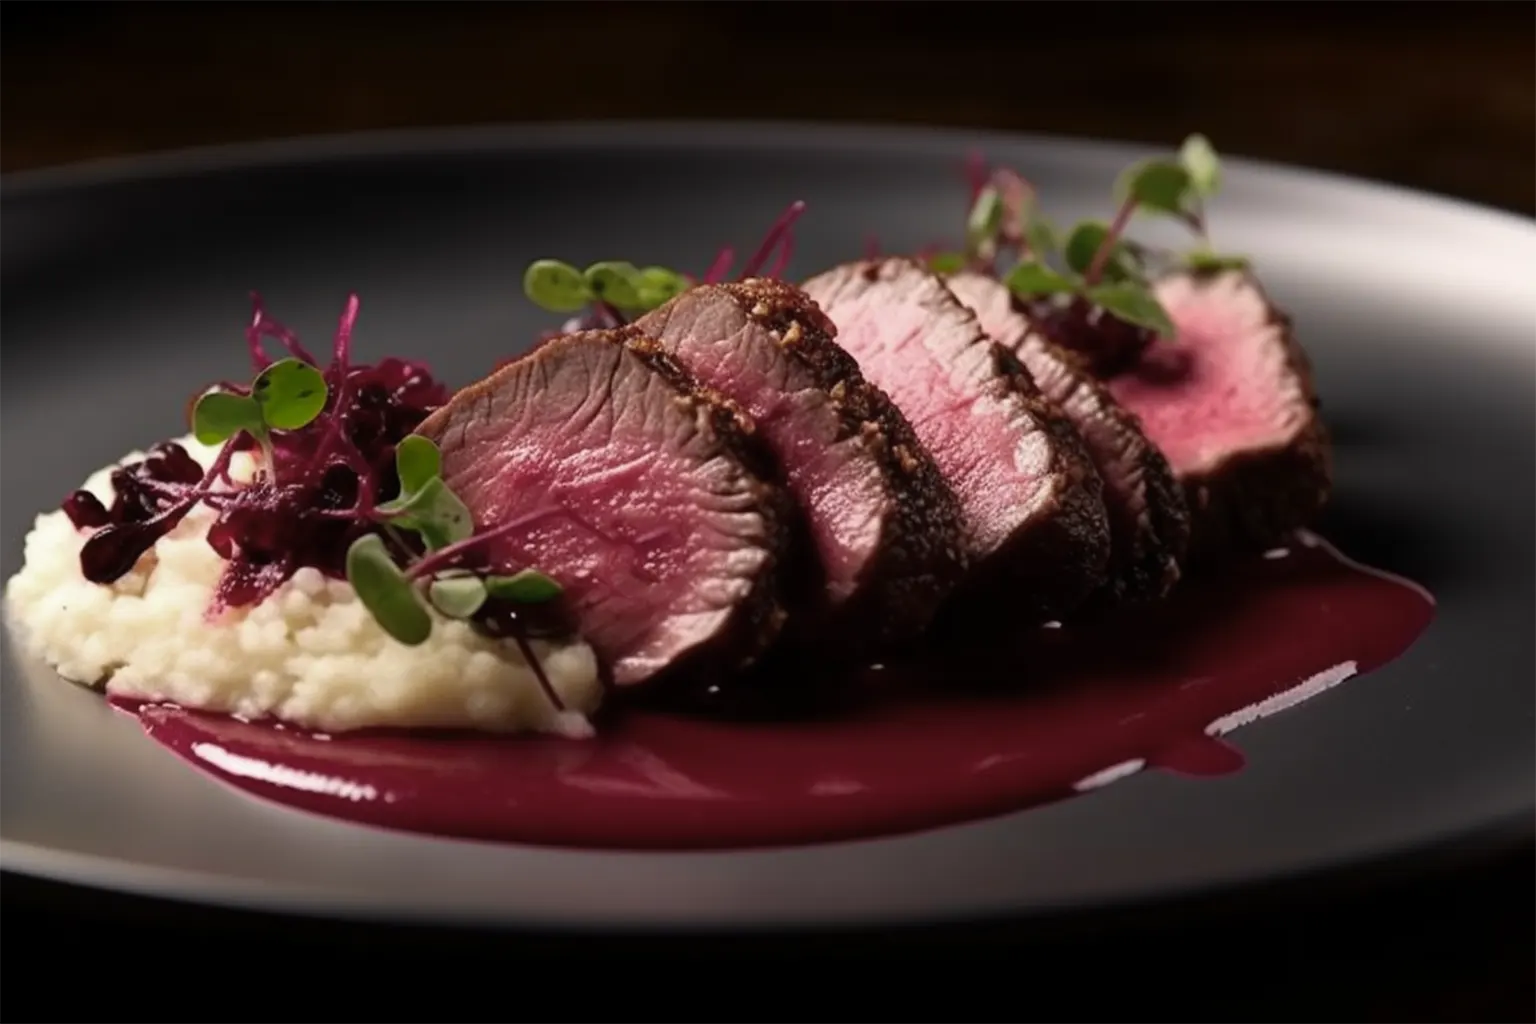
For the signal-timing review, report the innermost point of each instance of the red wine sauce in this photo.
(950, 736)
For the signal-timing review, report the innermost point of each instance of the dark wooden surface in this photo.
(1440, 97)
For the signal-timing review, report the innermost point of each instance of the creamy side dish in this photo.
(310, 654)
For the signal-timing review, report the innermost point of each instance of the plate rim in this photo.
(367, 144)
(215, 889)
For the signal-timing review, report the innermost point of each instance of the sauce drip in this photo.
(940, 739)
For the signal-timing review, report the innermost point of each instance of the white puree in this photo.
(310, 654)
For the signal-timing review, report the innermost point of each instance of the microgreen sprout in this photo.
(1093, 265)
(1180, 189)
(1003, 215)
(286, 395)
(398, 587)
(615, 292)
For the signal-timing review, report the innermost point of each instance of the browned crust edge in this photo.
(1145, 559)
(921, 557)
(1048, 568)
(758, 618)
(1063, 560)
(1255, 499)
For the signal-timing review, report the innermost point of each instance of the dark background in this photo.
(1439, 97)
(1435, 96)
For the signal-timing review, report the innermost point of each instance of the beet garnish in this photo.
(325, 445)
(1090, 291)
(447, 569)
(263, 326)
(720, 268)
(781, 236)
(342, 485)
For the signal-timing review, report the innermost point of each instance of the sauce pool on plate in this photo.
(937, 740)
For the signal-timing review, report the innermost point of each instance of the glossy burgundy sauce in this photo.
(943, 739)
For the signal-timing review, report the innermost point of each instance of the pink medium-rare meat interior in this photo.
(842, 491)
(993, 455)
(620, 493)
(1210, 392)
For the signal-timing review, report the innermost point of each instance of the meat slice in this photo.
(1230, 402)
(1031, 499)
(884, 527)
(633, 489)
(1148, 520)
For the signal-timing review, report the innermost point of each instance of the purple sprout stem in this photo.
(262, 325)
(334, 429)
(1016, 194)
(1116, 229)
(779, 232)
(609, 314)
(720, 267)
(538, 671)
(444, 558)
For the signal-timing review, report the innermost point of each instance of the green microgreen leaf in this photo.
(556, 286)
(457, 595)
(1083, 243)
(657, 286)
(947, 262)
(1134, 304)
(220, 415)
(525, 587)
(985, 218)
(1204, 167)
(1030, 278)
(1158, 186)
(384, 590)
(1041, 237)
(290, 392)
(1205, 260)
(614, 282)
(434, 512)
(417, 461)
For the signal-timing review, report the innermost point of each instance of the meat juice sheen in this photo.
(947, 736)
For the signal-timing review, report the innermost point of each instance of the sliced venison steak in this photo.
(1230, 402)
(635, 493)
(1148, 519)
(1034, 513)
(883, 525)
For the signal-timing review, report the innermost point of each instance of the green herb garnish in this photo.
(1095, 262)
(614, 284)
(526, 587)
(287, 395)
(386, 592)
(393, 593)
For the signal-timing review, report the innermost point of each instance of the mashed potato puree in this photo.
(310, 654)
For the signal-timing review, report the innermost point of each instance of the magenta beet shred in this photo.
(319, 495)
(321, 492)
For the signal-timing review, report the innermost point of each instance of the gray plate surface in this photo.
(124, 285)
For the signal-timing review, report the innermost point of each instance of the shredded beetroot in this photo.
(780, 236)
(778, 243)
(720, 267)
(317, 497)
